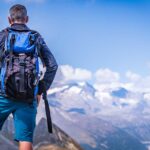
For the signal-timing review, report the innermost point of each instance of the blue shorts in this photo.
(24, 116)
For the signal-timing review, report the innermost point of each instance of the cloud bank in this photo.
(104, 78)
(67, 73)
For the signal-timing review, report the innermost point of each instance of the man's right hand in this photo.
(39, 99)
(42, 87)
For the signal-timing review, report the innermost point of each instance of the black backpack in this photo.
(20, 65)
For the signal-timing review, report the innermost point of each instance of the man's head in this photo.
(18, 14)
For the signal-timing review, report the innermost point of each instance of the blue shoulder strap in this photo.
(24, 42)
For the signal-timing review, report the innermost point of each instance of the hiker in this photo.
(21, 89)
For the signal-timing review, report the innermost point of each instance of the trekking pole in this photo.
(48, 114)
(47, 109)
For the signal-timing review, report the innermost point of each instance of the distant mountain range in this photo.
(115, 122)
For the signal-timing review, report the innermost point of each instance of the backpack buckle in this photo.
(22, 63)
(22, 59)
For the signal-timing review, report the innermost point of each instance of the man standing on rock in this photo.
(21, 90)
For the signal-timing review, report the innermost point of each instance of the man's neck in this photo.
(18, 22)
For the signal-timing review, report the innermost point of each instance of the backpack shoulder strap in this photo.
(38, 45)
(6, 30)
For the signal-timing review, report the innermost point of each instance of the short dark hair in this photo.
(18, 12)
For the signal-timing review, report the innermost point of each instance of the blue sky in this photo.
(92, 34)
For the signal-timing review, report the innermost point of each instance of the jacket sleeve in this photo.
(2, 44)
(2, 39)
(49, 62)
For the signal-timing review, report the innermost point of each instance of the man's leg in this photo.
(24, 121)
(25, 146)
(6, 108)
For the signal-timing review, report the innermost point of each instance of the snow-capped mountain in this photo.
(100, 119)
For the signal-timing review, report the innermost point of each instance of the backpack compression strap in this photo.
(48, 115)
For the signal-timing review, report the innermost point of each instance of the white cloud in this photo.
(68, 73)
(132, 76)
(106, 76)
(137, 83)
(147, 96)
(107, 80)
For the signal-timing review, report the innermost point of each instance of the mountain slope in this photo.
(96, 134)
(5, 144)
(41, 137)
(90, 120)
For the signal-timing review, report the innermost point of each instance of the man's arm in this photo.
(50, 64)
(2, 43)
(2, 39)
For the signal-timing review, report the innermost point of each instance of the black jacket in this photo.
(47, 56)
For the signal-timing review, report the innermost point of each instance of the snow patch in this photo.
(57, 89)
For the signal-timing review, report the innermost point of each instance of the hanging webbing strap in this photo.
(48, 115)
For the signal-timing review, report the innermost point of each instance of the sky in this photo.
(107, 38)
